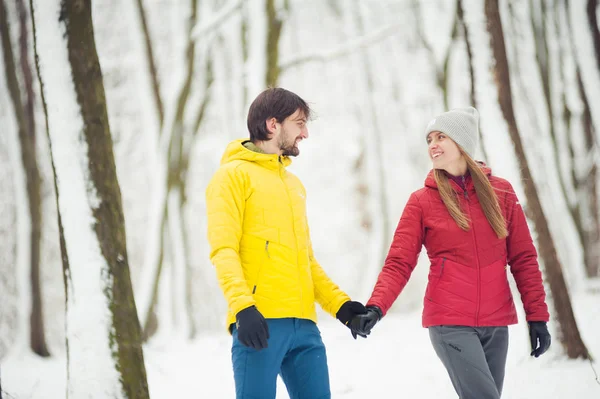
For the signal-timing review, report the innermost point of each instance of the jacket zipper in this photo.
(442, 268)
(476, 261)
(258, 274)
(294, 228)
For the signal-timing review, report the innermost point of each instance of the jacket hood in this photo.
(430, 180)
(236, 151)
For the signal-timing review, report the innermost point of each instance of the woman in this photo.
(472, 225)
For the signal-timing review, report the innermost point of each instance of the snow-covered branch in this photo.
(217, 19)
(343, 50)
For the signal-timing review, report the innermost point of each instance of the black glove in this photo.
(252, 328)
(347, 312)
(538, 332)
(363, 324)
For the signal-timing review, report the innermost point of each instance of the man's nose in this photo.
(304, 133)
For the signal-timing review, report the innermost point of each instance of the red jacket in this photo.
(468, 282)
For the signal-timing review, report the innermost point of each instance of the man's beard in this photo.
(288, 148)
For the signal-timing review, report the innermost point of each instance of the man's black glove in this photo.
(538, 332)
(347, 312)
(252, 328)
(363, 324)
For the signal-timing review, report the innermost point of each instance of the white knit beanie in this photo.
(461, 125)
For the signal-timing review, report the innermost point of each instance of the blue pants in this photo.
(295, 351)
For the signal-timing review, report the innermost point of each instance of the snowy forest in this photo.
(114, 115)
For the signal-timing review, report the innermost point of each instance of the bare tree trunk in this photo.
(151, 61)
(465, 30)
(245, 56)
(274, 25)
(175, 142)
(124, 376)
(587, 189)
(587, 232)
(592, 7)
(38, 339)
(180, 138)
(171, 135)
(374, 151)
(585, 209)
(26, 125)
(590, 189)
(441, 74)
(256, 30)
(568, 331)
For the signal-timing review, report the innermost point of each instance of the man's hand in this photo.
(538, 332)
(252, 328)
(348, 311)
(363, 324)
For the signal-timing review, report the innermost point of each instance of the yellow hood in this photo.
(236, 151)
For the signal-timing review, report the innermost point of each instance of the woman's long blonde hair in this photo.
(485, 193)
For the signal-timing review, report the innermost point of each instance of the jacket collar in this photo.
(236, 150)
(430, 180)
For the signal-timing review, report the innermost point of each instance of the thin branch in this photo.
(208, 82)
(151, 61)
(343, 50)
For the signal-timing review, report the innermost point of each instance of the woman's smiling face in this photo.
(443, 151)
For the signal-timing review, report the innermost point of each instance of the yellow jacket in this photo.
(259, 238)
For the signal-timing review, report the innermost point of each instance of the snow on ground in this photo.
(395, 361)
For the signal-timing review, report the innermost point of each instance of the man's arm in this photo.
(225, 203)
(327, 293)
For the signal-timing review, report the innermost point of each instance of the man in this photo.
(260, 246)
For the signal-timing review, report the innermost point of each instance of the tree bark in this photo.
(123, 334)
(585, 183)
(274, 25)
(592, 6)
(568, 331)
(37, 334)
(24, 112)
(585, 189)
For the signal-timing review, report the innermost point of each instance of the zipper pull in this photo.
(466, 195)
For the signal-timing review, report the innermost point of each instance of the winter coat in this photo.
(259, 238)
(467, 282)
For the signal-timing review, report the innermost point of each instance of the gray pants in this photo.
(475, 358)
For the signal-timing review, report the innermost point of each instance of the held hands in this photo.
(364, 323)
(348, 312)
(538, 332)
(252, 328)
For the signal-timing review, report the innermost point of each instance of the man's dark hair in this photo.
(275, 103)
